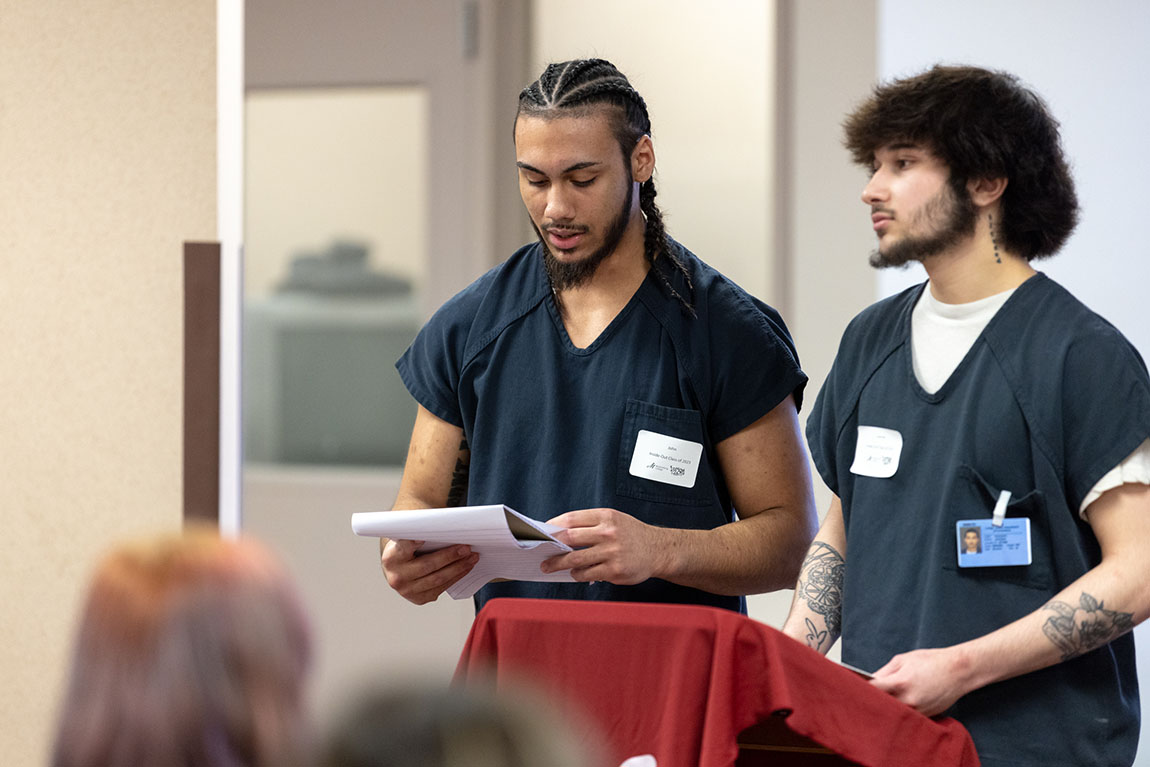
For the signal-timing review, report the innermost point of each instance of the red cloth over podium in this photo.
(701, 687)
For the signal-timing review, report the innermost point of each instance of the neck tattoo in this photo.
(993, 238)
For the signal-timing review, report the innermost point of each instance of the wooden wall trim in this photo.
(202, 381)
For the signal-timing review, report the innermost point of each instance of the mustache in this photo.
(576, 228)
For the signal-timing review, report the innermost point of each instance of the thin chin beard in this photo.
(902, 254)
(958, 222)
(569, 275)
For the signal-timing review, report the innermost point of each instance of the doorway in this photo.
(380, 181)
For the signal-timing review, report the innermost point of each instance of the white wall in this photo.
(1089, 61)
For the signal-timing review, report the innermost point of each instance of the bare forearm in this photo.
(815, 618)
(765, 466)
(1097, 608)
(435, 474)
(434, 487)
(429, 481)
(751, 556)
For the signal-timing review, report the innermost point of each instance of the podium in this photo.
(701, 687)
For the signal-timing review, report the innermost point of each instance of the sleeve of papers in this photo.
(510, 545)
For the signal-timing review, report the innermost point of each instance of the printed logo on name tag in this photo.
(877, 452)
(666, 459)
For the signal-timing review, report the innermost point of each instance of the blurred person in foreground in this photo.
(192, 651)
(454, 727)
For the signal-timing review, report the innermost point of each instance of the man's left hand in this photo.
(610, 546)
(929, 681)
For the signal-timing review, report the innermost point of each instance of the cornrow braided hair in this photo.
(576, 87)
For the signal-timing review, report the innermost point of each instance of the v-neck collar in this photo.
(616, 322)
(955, 378)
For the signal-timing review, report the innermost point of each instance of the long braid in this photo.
(570, 86)
(656, 243)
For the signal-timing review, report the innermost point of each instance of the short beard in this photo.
(956, 213)
(564, 275)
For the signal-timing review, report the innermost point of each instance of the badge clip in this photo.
(1000, 509)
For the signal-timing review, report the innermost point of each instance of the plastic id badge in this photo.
(981, 543)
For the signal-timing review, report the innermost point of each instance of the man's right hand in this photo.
(421, 578)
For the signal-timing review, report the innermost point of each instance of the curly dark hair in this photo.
(982, 124)
(575, 87)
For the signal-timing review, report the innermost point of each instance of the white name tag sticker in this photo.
(877, 452)
(666, 459)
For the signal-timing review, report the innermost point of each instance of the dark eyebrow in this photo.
(572, 169)
(899, 146)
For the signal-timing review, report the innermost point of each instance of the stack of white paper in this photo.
(510, 545)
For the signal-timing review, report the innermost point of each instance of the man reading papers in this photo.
(607, 380)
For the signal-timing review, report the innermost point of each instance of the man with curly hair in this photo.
(986, 398)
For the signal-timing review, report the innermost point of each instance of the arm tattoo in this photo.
(1078, 630)
(821, 587)
(457, 495)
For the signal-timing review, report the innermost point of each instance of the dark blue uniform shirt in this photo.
(1049, 398)
(552, 427)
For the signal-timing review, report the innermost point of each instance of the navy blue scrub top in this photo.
(1049, 398)
(552, 427)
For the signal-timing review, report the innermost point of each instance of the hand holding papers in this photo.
(509, 544)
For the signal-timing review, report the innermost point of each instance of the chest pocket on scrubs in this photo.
(974, 498)
(678, 424)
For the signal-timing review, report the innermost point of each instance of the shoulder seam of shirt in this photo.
(904, 302)
(989, 338)
(661, 312)
(1029, 409)
(660, 315)
(474, 347)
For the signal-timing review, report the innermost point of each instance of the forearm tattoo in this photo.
(457, 495)
(821, 587)
(1078, 630)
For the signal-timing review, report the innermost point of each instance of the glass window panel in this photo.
(335, 251)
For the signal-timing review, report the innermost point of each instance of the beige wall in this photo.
(826, 61)
(107, 163)
(831, 54)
